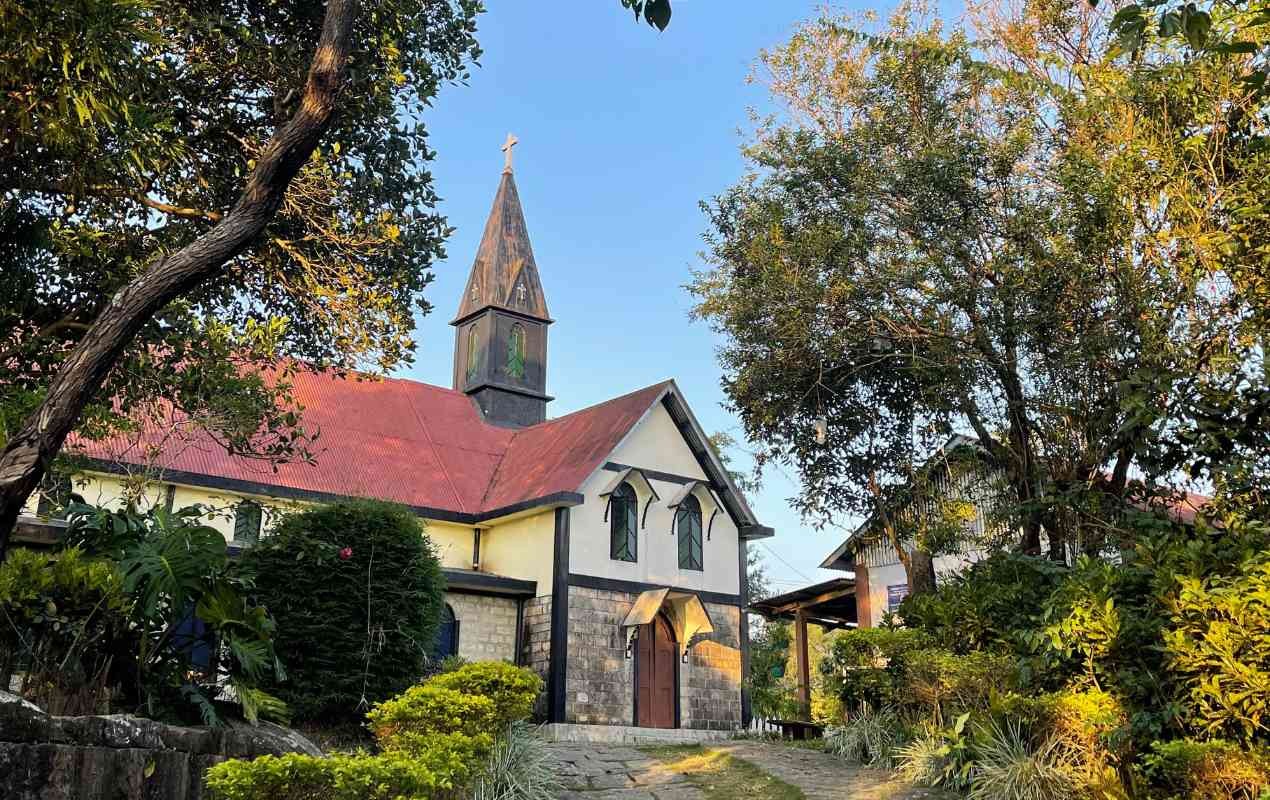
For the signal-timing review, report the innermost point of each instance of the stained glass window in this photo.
(516, 352)
(688, 522)
(473, 351)
(247, 518)
(623, 524)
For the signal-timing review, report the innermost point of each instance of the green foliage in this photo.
(939, 756)
(985, 605)
(1217, 648)
(1009, 767)
(435, 743)
(431, 709)
(1185, 769)
(356, 630)
(174, 569)
(132, 133)
(437, 772)
(867, 737)
(772, 695)
(866, 666)
(520, 767)
(943, 683)
(62, 618)
(512, 689)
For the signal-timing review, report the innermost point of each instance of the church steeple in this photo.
(500, 350)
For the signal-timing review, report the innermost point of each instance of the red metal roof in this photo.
(403, 441)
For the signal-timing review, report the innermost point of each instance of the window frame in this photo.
(516, 351)
(688, 511)
(630, 508)
(239, 518)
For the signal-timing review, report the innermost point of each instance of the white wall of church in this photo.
(655, 444)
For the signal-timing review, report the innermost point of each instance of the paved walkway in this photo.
(619, 772)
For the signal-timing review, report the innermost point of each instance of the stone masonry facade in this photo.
(487, 626)
(536, 644)
(600, 688)
(710, 683)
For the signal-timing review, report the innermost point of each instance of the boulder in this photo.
(117, 756)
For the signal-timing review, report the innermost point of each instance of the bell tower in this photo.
(500, 331)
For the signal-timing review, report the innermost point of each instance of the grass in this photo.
(720, 776)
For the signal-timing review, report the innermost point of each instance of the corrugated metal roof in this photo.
(402, 441)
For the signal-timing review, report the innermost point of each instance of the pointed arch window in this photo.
(247, 520)
(447, 642)
(624, 524)
(473, 351)
(688, 526)
(516, 351)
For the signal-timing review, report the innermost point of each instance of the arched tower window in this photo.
(447, 641)
(516, 351)
(473, 351)
(688, 523)
(623, 524)
(247, 520)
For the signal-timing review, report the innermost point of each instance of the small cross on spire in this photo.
(511, 142)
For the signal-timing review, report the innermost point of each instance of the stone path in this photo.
(619, 772)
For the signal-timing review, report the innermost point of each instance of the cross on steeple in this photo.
(511, 142)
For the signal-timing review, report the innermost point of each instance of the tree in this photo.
(166, 212)
(930, 244)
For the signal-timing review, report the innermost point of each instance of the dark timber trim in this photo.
(287, 493)
(462, 581)
(744, 569)
(747, 531)
(635, 587)
(559, 620)
(518, 657)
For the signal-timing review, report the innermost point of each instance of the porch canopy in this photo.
(830, 604)
(687, 614)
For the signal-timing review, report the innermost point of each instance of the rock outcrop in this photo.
(118, 757)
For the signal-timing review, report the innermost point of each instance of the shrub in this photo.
(1213, 770)
(357, 594)
(986, 604)
(1218, 651)
(868, 737)
(62, 619)
(938, 756)
(438, 772)
(1009, 767)
(512, 689)
(519, 768)
(865, 666)
(941, 681)
(431, 709)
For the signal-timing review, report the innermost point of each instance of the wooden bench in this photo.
(797, 729)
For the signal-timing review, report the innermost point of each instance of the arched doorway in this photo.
(656, 675)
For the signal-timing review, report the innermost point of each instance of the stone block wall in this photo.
(599, 688)
(710, 683)
(487, 626)
(536, 644)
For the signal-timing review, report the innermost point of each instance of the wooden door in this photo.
(655, 663)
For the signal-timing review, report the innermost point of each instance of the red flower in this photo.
(346, 553)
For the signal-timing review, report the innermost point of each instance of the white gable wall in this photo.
(654, 444)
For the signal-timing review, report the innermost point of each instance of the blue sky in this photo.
(623, 131)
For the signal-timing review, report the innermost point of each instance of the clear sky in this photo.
(623, 131)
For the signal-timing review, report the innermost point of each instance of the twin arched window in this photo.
(623, 524)
(688, 527)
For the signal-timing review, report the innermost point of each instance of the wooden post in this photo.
(863, 611)
(804, 668)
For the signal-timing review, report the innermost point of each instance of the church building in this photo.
(605, 548)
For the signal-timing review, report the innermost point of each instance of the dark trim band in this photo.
(635, 587)
(466, 582)
(307, 495)
(559, 620)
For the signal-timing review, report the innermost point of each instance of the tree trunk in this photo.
(921, 572)
(27, 454)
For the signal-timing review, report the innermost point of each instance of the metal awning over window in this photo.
(710, 505)
(640, 483)
(687, 614)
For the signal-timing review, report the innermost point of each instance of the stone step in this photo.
(628, 734)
